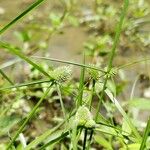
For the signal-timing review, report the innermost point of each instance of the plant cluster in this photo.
(46, 107)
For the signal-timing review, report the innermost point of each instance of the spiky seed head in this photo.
(94, 74)
(90, 124)
(84, 117)
(112, 72)
(61, 74)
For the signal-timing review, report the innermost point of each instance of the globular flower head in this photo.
(112, 72)
(61, 74)
(94, 74)
(84, 117)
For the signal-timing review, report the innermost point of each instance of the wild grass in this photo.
(83, 126)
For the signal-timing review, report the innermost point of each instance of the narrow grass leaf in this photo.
(57, 138)
(70, 63)
(145, 136)
(81, 85)
(113, 50)
(131, 63)
(31, 7)
(23, 56)
(118, 106)
(102, 141)
(6, 77)
(42, 137)
(29, 117)
(46, 134)
(25, 84)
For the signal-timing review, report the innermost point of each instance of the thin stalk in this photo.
(74, 138)
(12, 62)
(43, 137)
(69, 62)
(10, 104)
(85, 139)
(90, 105)
(25, 84)
(29, 117)
(23, 56)
(134, 111)
(61, 101)
(47, 133)
(57, 139)
(112, 54)
(63, 135)
(79, 101)
(133, 63)
(90, 139)
(92, 92)
(145, 136)
(31, 7)
(6, 77)
(125, 116)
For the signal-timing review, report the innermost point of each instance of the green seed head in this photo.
(90, 124)
(94, 74)
(61, 74)
(112, 72)
(84, 117)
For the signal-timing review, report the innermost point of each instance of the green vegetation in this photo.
(47, 104)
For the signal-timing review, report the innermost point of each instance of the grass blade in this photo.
(116, 103)
(57, 139)
(43, 137)
(24, 84)
(112, 54)
(31, 7)
(146, 133)
(23, 56)
(6, 77)
(29, 117)
(131, 63)
(46, 134)
(61, 101)
(79, 100)
(69, 62)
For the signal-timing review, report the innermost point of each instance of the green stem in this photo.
(48, 133)
(79, 101)
(61, 101)
(69, 62)
(90, 139)
(92, 92)
(91, 133)
(112, 54)
(85, 138)
(125, 116)
(145, 136)
(29, 117)
(56, 140)
(6, 77)
(21, 15)
(25, 84)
